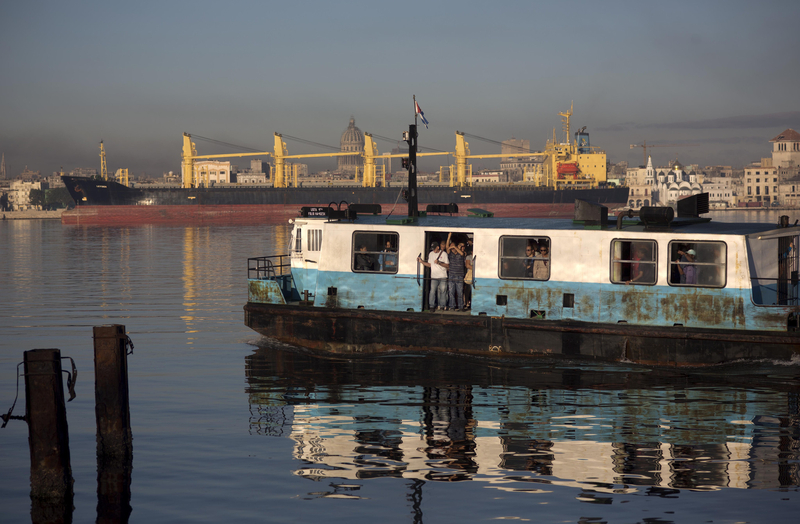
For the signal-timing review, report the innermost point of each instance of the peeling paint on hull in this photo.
(345, 331)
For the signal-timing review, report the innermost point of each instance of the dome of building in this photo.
(352, 141)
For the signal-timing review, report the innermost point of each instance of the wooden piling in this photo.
(111, 392)
(48, 435)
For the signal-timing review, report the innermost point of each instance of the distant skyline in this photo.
(719, 74)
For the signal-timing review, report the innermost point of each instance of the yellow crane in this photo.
(279, 155)
(644, 147)
(555, 154)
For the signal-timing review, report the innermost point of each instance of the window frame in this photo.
(621, 261)
(527, 238)
(692, 244)
(381, 237)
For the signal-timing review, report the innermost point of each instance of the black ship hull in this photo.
(100, 201)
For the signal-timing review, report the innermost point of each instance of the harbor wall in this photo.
(30, 214)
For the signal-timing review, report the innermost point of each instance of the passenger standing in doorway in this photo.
(458, 269)
(437, 261)
(468, 287)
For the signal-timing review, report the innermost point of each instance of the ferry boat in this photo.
(654, 289)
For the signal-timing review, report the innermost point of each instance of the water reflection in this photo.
(524, 427)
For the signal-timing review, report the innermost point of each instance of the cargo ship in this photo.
(106, 202)
(564, 172)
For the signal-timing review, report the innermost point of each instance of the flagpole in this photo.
(415, 109)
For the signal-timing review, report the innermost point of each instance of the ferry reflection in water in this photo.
(522, 426)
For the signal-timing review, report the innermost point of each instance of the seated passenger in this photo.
(364, 261)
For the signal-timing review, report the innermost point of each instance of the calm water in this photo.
(228, 427)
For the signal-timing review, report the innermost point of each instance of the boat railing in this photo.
(268, 268)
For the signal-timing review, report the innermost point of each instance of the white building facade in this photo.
(19, 194)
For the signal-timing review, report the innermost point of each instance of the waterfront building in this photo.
(487, 176)
(761, 182)
(258, 173)
(352, 141)
(519, 160)
(789, 191)
(772, 180)
(650, 186)
(53, 181)
(209, 172)
(675, 184)
(83, 171)
(29, 175)
(19, 194)
(786, 149)
(721, 191)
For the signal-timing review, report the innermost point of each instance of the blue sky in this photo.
(720, 74)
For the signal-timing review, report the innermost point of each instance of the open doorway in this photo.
(438, 272)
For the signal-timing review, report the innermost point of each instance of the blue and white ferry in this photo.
(654, 289)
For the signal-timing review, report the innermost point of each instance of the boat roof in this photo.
(678, 225)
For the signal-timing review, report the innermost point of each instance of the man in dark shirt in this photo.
(455, 277)
(364, 261)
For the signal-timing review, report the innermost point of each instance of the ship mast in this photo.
(103, 167)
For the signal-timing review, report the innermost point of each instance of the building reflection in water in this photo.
(524, 427)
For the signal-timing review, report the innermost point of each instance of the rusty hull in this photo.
(351, 331)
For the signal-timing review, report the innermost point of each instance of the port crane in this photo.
(555, 155)
(644, 146)
(279, 154)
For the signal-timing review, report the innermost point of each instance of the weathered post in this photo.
(48, 435)
(114, 446)
(111, 391)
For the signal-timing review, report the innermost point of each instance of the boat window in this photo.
(633, 262)
(314, 239)
(374, 252)
(298, 239)
(697, 264)
(525, 258)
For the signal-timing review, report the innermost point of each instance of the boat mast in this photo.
(411, 139)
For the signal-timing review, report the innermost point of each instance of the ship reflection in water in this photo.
(529, 426)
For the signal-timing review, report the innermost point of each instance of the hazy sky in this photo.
(723, 75)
